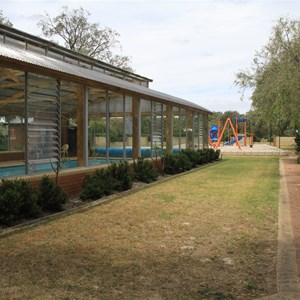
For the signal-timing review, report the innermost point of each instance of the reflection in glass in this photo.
(43, 125)
(96, 126)
(12, 120)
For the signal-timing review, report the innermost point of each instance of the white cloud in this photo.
(191, 49)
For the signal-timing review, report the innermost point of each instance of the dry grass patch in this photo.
(210, 234)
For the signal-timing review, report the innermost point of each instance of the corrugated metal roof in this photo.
(35, 59)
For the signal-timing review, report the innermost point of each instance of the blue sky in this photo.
(191, 49)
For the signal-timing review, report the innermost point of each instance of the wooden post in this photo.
(80, 127)
(136, 127)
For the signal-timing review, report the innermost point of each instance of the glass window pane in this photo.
(128, 126)
(146, 129)
(97, 126)
(43, 122)
(116, 126)
(176, 130)
(12, 122)
(69, 93)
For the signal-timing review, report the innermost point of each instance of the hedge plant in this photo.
(144, 171)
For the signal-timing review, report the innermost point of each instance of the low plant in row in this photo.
(188, 159)
(115, 178)
(19, 200)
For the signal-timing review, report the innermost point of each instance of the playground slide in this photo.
(230, 143)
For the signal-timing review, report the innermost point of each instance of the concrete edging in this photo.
(288, 284)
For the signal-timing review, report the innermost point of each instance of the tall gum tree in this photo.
(78, 34)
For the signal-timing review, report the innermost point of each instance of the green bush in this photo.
(171, 164)
(116, 177)
(17, 200)
(29, 199)
(177, 163)
(95, 186)
(144, 170)
(51, 197)
(184, 161)
(192, 156)
(201, 157)
(10, 206)
(120, 173)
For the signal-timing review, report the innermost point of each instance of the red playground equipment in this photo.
(215, 139)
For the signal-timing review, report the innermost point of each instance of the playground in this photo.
(234, 139)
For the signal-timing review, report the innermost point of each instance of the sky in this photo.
(192, 49)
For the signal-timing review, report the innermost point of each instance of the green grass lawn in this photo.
(209, 234)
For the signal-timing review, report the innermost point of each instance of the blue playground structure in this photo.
(233, 141)
(213, 133)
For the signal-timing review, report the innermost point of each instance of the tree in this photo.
(5, 21)
(274, 77)
(87, 38)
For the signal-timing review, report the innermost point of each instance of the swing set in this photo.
(215, 136)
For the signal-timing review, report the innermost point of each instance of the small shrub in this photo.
(192, 156)
(298, 160)
(172, 165)
(94, 186)
(29, 199)
(201, 157)
(144, 170)
(51, 197)
(184, 161)
(116, 177)
(10, 206)
(177, 163)
(121, 177)
(17, 200)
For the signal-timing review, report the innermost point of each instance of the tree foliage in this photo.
(274, 77)
(78, 34)
(5, 21)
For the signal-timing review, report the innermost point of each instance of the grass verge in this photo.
(210, 234)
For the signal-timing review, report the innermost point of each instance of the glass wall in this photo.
(158, 125)
(116, 126)
(96, 126)
(128, 126)
(42, 121)
(205, 131)
(146, 128)
(43, 125)
(12, 121)
(176, 129)
(201, 146)
(196, 131)
(70, 93)
(183, 128)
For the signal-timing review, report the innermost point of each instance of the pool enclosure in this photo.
(60, 107)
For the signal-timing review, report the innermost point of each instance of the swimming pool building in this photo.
(58, 106)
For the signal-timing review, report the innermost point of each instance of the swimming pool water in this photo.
(35, 168)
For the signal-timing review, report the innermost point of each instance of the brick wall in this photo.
(71, 181)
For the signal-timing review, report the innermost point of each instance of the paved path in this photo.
(256, 150)
(288, 256)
